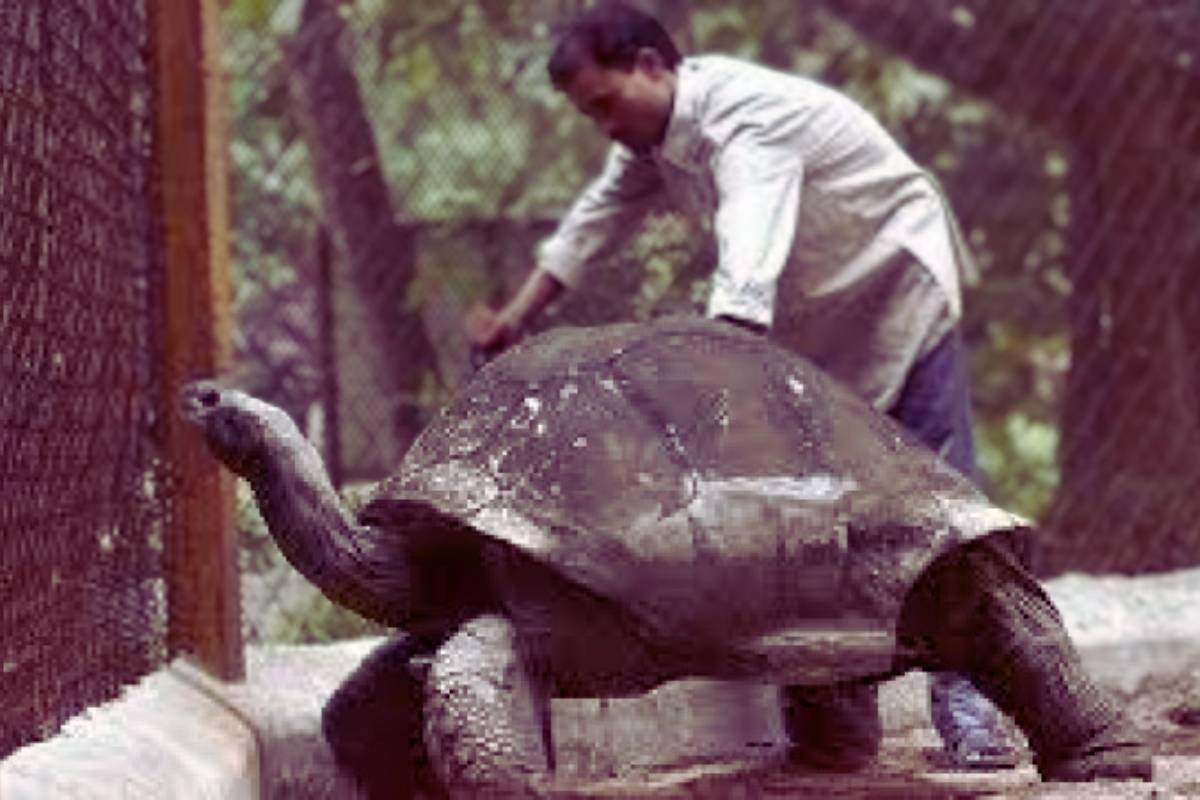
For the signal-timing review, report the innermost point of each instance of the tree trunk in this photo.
(1130, 446)
(381, 340)
(1120, 84)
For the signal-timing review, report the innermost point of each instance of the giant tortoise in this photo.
(604, 509)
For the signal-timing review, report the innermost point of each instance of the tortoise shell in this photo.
(725, 492)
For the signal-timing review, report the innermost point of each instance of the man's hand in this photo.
(489, 331)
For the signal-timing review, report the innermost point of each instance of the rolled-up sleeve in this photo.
(759, 189)
(602, 216)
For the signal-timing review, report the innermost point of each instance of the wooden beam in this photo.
(204, 608)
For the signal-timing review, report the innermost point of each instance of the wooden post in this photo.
(204, 608)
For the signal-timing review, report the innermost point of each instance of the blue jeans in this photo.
(935, 404)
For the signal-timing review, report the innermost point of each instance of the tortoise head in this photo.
(242, 431)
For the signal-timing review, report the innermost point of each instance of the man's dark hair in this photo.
(610, 34)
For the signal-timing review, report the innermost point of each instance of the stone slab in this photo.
(163, 738)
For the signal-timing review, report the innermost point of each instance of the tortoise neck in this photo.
(315, 532)
(304, 514)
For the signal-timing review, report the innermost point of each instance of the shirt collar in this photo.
(682, 144)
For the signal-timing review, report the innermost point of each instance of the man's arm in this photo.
(759, 186)
(600, 219)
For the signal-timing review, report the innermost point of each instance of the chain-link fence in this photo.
(430, 145)
(82, 511)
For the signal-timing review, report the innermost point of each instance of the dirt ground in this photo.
(1166, 712)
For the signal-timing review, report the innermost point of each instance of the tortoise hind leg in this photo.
(486, 715)
(977, 611)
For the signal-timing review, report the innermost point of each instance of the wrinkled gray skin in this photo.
(603, 510)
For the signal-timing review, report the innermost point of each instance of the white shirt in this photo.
(826, 230)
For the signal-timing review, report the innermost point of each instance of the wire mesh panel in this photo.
(82, 503)
(1065, 136)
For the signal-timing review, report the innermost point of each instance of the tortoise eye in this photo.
(209, 397)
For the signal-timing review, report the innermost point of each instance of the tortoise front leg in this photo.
(374, 722)
(486, 714)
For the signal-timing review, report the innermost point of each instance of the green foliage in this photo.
(320, 621)
(1017, 453)
(248, 14)
(1018, 377)
(273, 198)
(256, 551)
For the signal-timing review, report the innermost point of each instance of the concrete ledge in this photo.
(179, 734)
(163, 738)
(1129, 629)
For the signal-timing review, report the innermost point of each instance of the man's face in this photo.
(629, 106)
